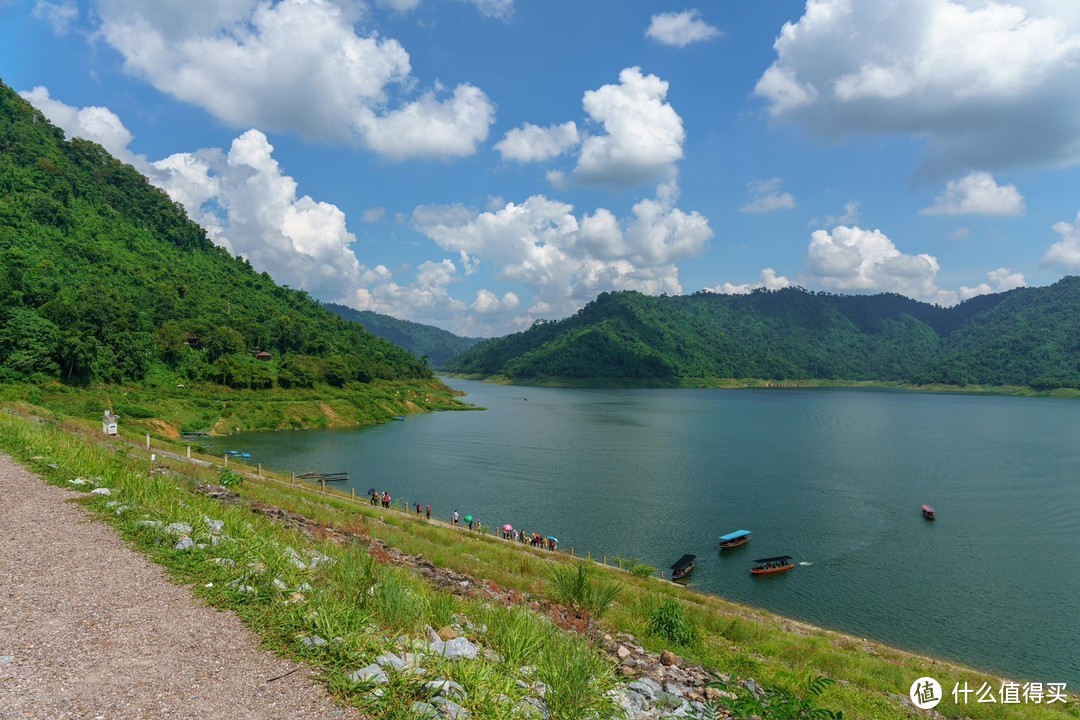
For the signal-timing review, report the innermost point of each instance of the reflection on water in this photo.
(833, 478)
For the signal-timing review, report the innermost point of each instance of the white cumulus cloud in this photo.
(566, 259)
(295, 65)
(530, 143)
(643, 135)
(768, 279)
(851, 259)
(97, 124)
(998, 280)
(988, 84)
(680, 29)
(765, 196)
(977, 194)
(631, 136)
(1065, 253)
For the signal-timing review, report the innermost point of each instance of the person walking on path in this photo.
(454, 518)
(427, 511)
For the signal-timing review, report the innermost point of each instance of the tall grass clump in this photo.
(583, 587)
(580, 682)
(517, 634)
(669, 622)
(397, 604)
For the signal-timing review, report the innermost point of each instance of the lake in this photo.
(834, 478)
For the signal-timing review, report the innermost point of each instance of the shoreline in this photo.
(759, 384)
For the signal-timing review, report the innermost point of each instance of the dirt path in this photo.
(90, 629)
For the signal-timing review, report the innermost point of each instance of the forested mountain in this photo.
(436, 344)
(104, 278)
(1027, 336)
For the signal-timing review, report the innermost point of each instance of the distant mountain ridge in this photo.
(1025, 337)
(103, 278)
(434, 343)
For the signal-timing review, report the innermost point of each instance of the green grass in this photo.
(361, 606)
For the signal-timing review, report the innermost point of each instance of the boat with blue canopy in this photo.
(734, 539)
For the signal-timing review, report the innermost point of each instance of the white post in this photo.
(226, 456)
(189, 452)
(147, 441)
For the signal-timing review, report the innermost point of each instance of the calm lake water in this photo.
(834, 478)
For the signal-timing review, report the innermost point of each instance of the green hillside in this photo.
(437, 345)
(1028, 336)
(103, 278)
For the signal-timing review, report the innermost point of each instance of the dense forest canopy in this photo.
(436, 344)
(1027, 336)
(103, 278)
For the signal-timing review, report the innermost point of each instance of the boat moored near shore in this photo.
(683, 566)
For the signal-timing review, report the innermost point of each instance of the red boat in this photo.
(769, 566)
(928, 512)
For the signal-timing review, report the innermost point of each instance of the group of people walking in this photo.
(535, 539)
(508, 533)
(384, 499)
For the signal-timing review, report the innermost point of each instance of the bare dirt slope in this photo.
(90, 629)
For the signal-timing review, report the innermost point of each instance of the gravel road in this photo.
(90, 629)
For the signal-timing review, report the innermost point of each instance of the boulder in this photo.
(459, 649)
(370, 674)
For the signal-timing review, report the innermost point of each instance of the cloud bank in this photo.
(988, 84)
(298, 66)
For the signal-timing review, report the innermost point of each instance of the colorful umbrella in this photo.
(552, 537)
(468, 518)
(508, 527)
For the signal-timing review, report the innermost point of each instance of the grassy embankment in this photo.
(369, 605)
(165, 412)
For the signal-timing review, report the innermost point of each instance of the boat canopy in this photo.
(778, 558)
(684, 562)
(734, 535)
(927, 508)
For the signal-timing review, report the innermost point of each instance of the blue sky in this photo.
(479, 164)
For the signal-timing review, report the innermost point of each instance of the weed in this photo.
(669, 621)
(582, 587)
(517, 634)
(229, 478)
(579, 682)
